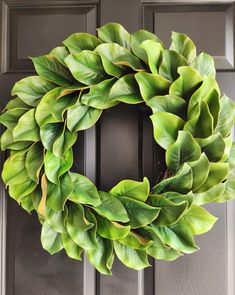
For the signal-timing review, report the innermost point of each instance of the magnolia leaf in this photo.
(140, 214)
(182, 44)
(11, 117)
(51, 109)
(85, 239)
(210, 195)
(49, 68)
(19, 190)
(136, 241)
(205, 65)
(178, 198)
(164, 133)
(125, 90)
(184, 149)
(181, 182)
(31, 89)
(213, 146)
(34, 161)
(151, 85)
(86, 67)
(57, 194)
(231, 158)
(14, 171)
(218, 172)
(229, 190)
(57, 166)
(226, 116)
(111, 208)
(16, 103)
(71, 248)
(50, 239)
(170, 212)
(84, 191)
(110, 229)
(170, 63)
(27, 204)
(27, 128)
(187, 83)
(76, 217)
(200, 169)
(133, 258)
(228, 141)
(154, 53)
(199, 220)
(114, 33)
(179, 236)
(137, 39)
(201, 125)
(98, 95)
(82, 117)
(56, 220)
(49, 133)
(169, 104)
(64, 142)
(7, 142)
(60, 53)
(77, 87)
(133, 189)
(78, 42)
(131, 61)
(102, 258)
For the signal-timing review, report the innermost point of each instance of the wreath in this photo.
(76, 82)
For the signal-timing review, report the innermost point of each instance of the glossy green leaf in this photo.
(111, 229)
(78, 42)
(102, 258)
(64, 142)
(125, 90)
(213, 146)
(34, 161)
(85, 239)
(140, 214)
(200, 169)
(31, 89)
(57, 166)
(71, 248)
(170, 63)
(111, 208)
(50, 239)
(19, 190)
(49, 133)
(182, 44)
(164, 133)
(231, 158)
(16, 103)
(7, 142)
(57, 194)
(218, 172)
(27, 204)
(133, 258)
(98, 95)
(226, 116)
(199, 220)
(49, 68)
(56, 220)
(114, 33)
(11, 117)
(82, 117)
(86, 67)
(60, 52)
(169, 104)
(184, 149)
(51, 109)
(179, 236)
(151, 85)
(27, 128)
(84, 191)
(210, 195)
(229, 190)
(187, 83)
(170, 212)
(135, 241)
(181, 182)
(76, 217)
(138, 38)
(205, 65)
(134, 189)
(154, 53)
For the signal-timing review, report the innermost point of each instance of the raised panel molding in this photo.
(34, 28)
(216, 23)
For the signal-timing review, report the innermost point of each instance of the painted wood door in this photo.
(121, 146)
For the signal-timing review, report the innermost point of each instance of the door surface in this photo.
(121, 146)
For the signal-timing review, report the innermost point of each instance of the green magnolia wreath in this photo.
(75, 83)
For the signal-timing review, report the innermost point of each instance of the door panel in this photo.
(121, 146)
